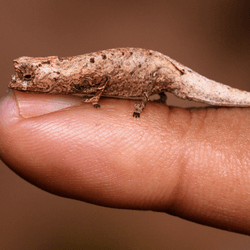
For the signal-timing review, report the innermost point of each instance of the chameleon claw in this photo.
(96, 105)
(136, 114)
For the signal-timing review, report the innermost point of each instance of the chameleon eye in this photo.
(27, 77)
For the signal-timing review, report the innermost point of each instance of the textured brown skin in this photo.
(121, 72)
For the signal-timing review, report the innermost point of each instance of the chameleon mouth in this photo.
(13, 78)
(15, 83)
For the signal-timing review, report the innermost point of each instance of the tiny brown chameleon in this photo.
(122, 72)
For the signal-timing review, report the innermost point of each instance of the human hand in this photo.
(192, 163)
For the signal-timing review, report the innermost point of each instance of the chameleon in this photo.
(131, 73)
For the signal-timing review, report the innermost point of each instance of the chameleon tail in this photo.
(193, 86)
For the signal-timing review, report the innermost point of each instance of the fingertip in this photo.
(32, 104)
(8, 108)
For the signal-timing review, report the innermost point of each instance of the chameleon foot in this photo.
(96, 105)
(136, 114)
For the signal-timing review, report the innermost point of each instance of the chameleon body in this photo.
(121, 72)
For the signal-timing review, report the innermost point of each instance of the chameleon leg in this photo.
(95, 99)
(163, 98)
(140, 106)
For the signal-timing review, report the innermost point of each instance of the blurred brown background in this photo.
(211, 37)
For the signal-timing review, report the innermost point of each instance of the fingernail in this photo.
(32, 105)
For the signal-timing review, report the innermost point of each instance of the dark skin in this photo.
(192, 163)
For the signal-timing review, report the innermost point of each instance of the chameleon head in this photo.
(30, 72)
